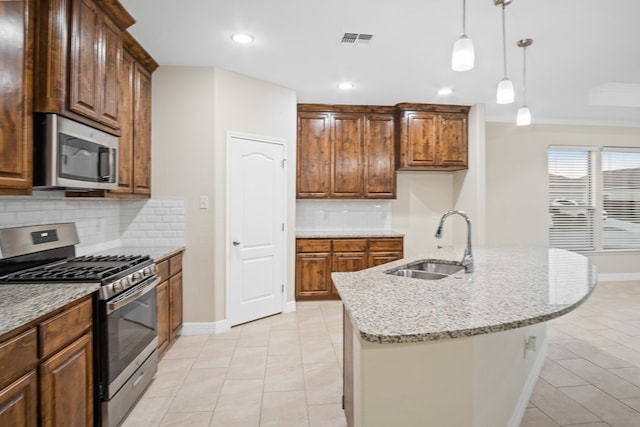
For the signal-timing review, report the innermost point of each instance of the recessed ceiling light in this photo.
(345, 86)
(445, 91)
(242, 38)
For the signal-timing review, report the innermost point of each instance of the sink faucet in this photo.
(467, 259)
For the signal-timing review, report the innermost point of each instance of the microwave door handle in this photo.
(113, 165)
(103, 154)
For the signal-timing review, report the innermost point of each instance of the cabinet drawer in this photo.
(65, 327)
(163, 270)
(350, 245)
(313, 245)
(385, 245)
(175, 264)
(17, 355)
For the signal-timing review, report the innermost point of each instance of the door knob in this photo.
(236, 243)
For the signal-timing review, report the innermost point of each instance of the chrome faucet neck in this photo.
(467, 259)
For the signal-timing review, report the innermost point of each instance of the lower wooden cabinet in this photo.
(169, 300)
(19, 402)
(66, 386)
(316, 259)
(46, 371)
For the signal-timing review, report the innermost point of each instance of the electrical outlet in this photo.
(204, 202)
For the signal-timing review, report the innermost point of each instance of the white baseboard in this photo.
(532, 379)
(204, 328)
(618, 277)
(289, 306)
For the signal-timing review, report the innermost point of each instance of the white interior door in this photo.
(256, 229)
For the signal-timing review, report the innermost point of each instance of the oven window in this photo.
(130, 329)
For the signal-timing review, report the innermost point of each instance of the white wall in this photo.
(517, 198)
(193, 109)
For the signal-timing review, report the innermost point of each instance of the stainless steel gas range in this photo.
(125, 328)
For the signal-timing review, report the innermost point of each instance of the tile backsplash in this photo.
(101, 223)
(350, 215)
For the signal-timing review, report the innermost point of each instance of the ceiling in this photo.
(579, 45)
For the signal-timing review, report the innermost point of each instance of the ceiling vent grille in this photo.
(356, 40)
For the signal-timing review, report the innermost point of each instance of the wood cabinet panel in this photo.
(175, 264)
(66, 386)
(110, 78)
(18, 355)
(346, 151)
(63, 328)
(126, 141)
(379, 156)
(18, 402)
(16, 50)
(346, 156)
(314, 268)
(313, 178)
(432, 137)
(162, 291)
(142, 132)
(313, 275)
(175, 298)
(163, 270)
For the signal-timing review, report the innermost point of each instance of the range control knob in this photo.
(137, 276)
(108, 290)
(117, 286)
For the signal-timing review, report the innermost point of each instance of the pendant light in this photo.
(463, 56)
(505, 93)
(523, 117)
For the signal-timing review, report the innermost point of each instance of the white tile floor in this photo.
(286, 371)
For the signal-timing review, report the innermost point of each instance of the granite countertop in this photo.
(21, 304)
(510, 288)
(330, 234)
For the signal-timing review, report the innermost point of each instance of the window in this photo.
(571, 201)
(594, 198)
(621, 198)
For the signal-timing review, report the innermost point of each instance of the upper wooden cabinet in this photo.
(16, 48)
(77, 60)
(345, 151)
(134, 169)
(432, 137)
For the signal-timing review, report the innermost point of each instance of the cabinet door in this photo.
(175, 304)
(314, 155)
(66, 386)
(15, 103)
(349, 261)
(452, 141)
(110, 64)
(125, 111)
(347, 155)
(379, 156)
(313, 275)
(163, 315)
(142, 132)
(85, 59)
(18, 402)
(418, 139)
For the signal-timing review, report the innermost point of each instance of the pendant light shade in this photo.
(505, 93)
(463, 56)
(524, 115)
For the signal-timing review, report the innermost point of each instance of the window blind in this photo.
(621, 198)
(571, 198)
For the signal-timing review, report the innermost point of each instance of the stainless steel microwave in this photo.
(69, 154)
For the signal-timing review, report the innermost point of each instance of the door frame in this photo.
(227, 232)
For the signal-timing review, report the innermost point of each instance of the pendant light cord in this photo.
(464, 17)
(504, 42)
(524, 77)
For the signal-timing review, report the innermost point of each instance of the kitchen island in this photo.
(465, 350)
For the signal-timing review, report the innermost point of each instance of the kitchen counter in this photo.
(510, 288)
(465, 350)
(337, 234)
(23, 303)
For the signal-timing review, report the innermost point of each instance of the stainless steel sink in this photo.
(428, 269)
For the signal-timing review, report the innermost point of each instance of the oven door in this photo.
(129, 333)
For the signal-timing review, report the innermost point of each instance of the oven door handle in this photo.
(127, 298)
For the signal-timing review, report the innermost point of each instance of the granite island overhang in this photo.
(465, 350)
